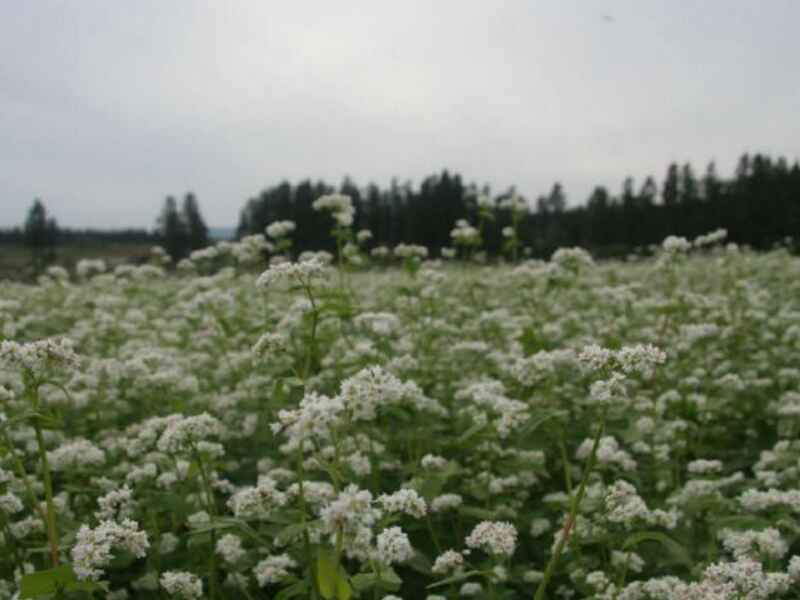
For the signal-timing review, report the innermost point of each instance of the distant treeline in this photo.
(78, 237)
(759, 205)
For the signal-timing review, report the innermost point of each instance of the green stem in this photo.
(306, 536)
(565, 461)
(312, 343)
(52, 530)
(23, 475)
(213, 576)
(573, 514)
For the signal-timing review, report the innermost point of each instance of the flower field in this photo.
(388, 426)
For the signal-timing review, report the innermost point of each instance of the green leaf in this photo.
(475, 429)
(678, 552)
(386, 580)
(286, 535)
(44, 583)
(476, 512)
(454, 579)
(299, 588)
(331, 580)
(534, 423)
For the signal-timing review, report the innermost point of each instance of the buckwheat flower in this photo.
(258, 501)
(609, 391)
(703, 467)
(572, 259)
(641, 358)
(627, 560)
(433, 462)
(471, 588)
(364, 235)
(406, 501)
(279, 229)
(229, 547)
(182, 584)
(351, 510)
(447, 562)
(199, 519)
(116, 505)
(273, 568)
(794, 569)
(37, 356)
(271, 342)
(675, 245)
(711, 238)
(410, 251)
(465, 234)
(757, 500)
(180, 434)
(372, 388)
(74, 455)
(25, 527)
(10, 504)
(340, 206)
(539, 527)
(304, 272)
(359, 463)
(446, 502)
(754, 544)
(493, 537)
(393, 546)
(624, 504)
(93, 547)
(595, 357)
(608, 453)
(168, 544)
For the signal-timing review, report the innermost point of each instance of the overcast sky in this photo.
(106, 107)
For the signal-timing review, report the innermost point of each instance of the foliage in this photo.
(361, 429)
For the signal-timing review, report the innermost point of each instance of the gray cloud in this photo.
(106, 107)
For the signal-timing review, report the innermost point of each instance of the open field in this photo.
(419, 429)
(16, 262)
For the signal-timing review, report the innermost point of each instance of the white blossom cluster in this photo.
(339, 205)
(94, 547)
(280, 229)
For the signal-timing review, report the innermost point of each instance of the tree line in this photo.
(759, 205)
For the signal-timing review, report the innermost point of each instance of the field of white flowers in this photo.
(428, 429)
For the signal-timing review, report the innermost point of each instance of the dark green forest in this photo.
(758, 204)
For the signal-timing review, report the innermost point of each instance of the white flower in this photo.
(36, 356)
(76, 454)
(180, 434)
(182, 584)
(393, 546)
(273, 568)
(93, 547)
(301, 272)
(258, 501)
(494, 537)
(115, 505)
(446, 502)
(280, 229)
(340, 205)
(406, 501)
(447, 562)
(229, 547)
